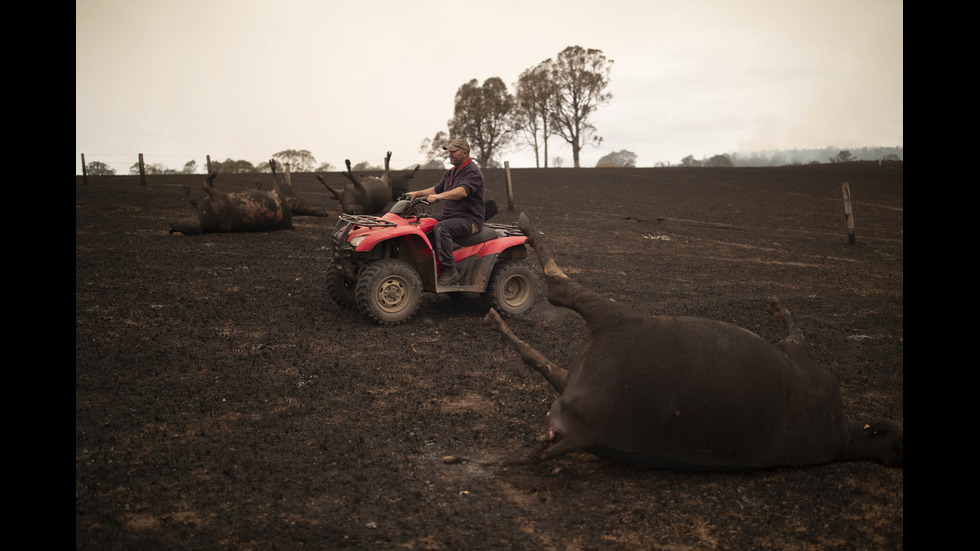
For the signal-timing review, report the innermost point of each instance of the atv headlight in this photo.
(357, 241)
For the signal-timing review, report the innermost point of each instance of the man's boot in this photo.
(449, 276)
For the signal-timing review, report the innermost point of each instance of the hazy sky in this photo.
(180, 79)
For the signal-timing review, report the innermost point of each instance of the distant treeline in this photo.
(302, 161)
(810, 156)
(626, 158)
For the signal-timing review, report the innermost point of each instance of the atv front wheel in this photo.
(512, 287)
(388, 291)
(340, 289)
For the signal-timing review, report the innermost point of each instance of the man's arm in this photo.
(455, 194)
(422, 193)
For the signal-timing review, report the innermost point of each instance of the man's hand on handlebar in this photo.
(410, 197)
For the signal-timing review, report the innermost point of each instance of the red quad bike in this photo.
(381, 264)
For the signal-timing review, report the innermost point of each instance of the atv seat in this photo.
(486, 234)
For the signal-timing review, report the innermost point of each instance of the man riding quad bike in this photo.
(381, 264)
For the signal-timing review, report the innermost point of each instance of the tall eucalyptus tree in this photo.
(580, 76)
(482, 117)
(532, 110)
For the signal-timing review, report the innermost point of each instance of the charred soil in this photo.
(222, 401)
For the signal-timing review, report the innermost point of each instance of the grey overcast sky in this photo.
(243, 79)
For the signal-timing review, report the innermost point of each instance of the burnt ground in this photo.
(223, 402)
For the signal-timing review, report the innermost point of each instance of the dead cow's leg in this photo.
(793, 333)
(554, 374)
(187, 195)
(551, 270)
(330, 189)
(562, 291)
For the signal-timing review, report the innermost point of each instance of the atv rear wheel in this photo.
(512, 287)
(339, 289)
(388, 291)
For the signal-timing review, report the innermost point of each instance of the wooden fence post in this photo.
(510, 187)
(848, 214)
(142, 171)
(84, 172)
(209, 164)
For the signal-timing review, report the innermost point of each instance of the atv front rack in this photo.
(347, 222)
(367, 221)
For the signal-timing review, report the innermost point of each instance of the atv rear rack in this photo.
(504, 230)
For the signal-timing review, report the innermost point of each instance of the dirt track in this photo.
(223, 402)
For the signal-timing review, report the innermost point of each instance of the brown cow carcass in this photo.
(689, 393)
(244, 211)
(367, 194)
(250, 210)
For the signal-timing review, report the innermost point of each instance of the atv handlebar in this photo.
(406, 206)
(408, 197)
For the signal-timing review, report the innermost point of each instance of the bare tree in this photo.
(534, 100)
(581, 77)
(98, 168)
(690, 161)
(151, 168)
(435, 155)
(719, 160)
(298, 161)
(482, 116)
(364, 166)
(230, 166)
(621, 158)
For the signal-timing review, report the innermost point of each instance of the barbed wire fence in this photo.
(121, 163)
(128, 163)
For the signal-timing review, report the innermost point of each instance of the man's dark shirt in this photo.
(471, 206)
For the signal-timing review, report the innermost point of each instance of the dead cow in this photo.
(367, 195)
(244, 211)
(690, 393)
(297, 205)
(400, 181)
